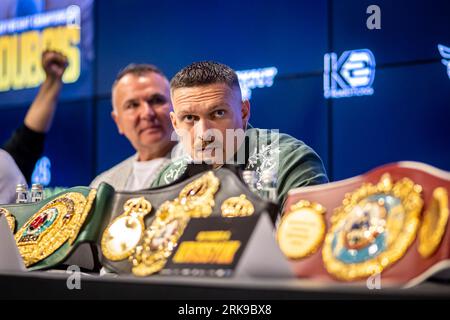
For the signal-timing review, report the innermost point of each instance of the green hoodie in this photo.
(295, 164)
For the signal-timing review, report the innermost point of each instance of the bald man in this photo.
(141, 112)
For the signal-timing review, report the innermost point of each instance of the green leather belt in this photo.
(48, 232)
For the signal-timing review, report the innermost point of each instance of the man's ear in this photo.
(173, 118)
(245, 110)
(116, 120)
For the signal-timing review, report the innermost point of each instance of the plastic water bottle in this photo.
(250, 179)
(269, 186)
(22, 193)
(37, 192)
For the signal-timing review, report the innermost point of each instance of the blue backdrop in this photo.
(405, 119)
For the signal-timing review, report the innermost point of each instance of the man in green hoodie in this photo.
(211, 121)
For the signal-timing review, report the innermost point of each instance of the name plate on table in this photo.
(224, 247)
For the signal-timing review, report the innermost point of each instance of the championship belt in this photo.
(49, 231)
(145, 226)
(392, 222)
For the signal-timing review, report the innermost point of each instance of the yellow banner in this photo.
(20, 56)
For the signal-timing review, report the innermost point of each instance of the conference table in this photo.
(54, 285)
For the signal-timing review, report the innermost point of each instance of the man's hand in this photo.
(54, 64)
(40, 115)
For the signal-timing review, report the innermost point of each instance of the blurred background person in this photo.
(10, 176)
(141, 111)
(26, 144)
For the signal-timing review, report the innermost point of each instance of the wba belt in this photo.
(49, 231)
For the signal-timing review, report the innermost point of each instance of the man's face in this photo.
(202, 116)
(141, 111)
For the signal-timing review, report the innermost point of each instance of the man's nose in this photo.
(202, 130)
(147, 111)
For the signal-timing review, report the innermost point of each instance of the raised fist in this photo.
(54, 64)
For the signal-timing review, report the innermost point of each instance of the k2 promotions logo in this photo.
(445, 53)
(350, 75)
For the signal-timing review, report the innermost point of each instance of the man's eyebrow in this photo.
(152, 96)
(131, 100)
(184, 113)
(157, 95)
(218, 107)
(210, 110)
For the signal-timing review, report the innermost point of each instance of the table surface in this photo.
(53, 285)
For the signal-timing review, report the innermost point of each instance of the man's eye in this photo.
(188, 118)
(157, 100)
(219, 113)
(132, 105)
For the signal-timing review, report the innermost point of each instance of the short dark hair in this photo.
(137, 69)
(204, 73)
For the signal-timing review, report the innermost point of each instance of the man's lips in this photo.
(208, 147)
(150, 129)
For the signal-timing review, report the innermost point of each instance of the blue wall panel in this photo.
(406, 119)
